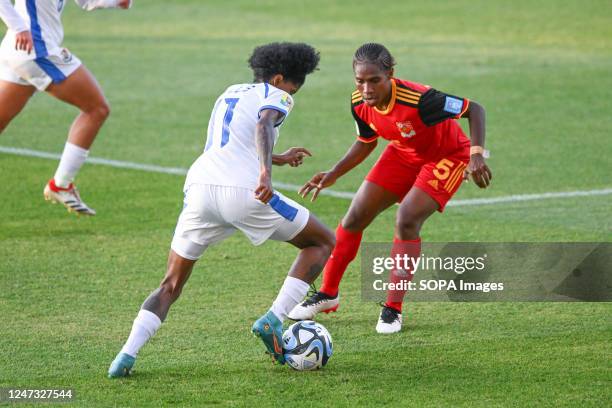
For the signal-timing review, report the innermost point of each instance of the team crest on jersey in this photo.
(66, 56)
(286, 100)
(406, 129)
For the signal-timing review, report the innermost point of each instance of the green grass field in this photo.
(70, 287)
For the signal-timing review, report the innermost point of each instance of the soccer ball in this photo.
(307, 345)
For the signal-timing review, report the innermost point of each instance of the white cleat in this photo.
(319, 302)
(390, 321)
(69, 197)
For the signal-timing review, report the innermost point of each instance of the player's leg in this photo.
(195, 230)
(415, 208)
(385, 184)
(315, 242)
(371, 199)
(79, 89)
(13, 97)
(152, 313)
(434, 186)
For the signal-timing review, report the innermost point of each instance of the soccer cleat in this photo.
(318, 302)
(390, 321)
(270, 330)
(121, 366)
(69, 197)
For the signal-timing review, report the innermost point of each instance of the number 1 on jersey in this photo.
(227, 118)
(229, 114)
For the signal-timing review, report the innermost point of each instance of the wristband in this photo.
(476, 150)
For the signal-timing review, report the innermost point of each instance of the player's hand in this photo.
(317, 183)
(480, 172)
(24, 42)
(124, 4)
(264, 191)
(294, 156)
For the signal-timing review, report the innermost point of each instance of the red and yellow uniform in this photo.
(427, 148)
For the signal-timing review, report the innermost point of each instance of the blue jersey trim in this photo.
(54, 72)
(287, 211)
(276, 108)
(39, 44)
(267, 89)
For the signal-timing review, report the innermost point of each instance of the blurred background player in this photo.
(31, 59)
(421, 168)
(229, 188)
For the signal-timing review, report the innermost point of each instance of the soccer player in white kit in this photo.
(32, 59)
(229, 188)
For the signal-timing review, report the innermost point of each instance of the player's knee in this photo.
(408, 226)
(101, 111)
(355, 221)
(104, 110)
(328, 242)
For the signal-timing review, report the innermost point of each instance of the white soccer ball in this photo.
(307, 345)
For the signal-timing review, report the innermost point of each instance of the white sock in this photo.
(72, 159)
(292, 293)
(144, 327)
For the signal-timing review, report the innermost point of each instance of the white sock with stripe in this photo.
(70, 163)
(292, 293)
(144, 327)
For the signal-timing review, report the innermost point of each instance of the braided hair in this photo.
(374, 53)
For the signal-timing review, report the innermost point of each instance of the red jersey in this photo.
(416, 121)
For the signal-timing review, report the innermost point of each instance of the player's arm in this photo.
(355, 155)
(363, 146)
(477, 168)
(293, 157)
(435, 107)
(264, 139)
(12, 19)
(90, 5)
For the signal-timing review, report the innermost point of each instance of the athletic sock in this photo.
(292, 293)
(144, 327)
(411, 248)
(347, 246)
(72, 159)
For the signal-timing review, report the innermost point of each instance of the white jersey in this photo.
(230, 156)
(43, 19)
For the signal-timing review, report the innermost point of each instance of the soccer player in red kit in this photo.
(421, 168)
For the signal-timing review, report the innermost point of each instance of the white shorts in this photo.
(212, 213)
(22, 69)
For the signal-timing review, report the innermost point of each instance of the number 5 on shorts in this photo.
(443, 169)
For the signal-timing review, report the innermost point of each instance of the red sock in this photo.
(347, 246)
(411, 248)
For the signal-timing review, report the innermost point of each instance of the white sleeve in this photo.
(90, 5)
(11, 18)
(277, 100)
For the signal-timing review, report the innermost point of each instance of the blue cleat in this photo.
(121, 366)
(270, 330)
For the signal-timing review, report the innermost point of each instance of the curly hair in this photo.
(374, 53)
(292, 60)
